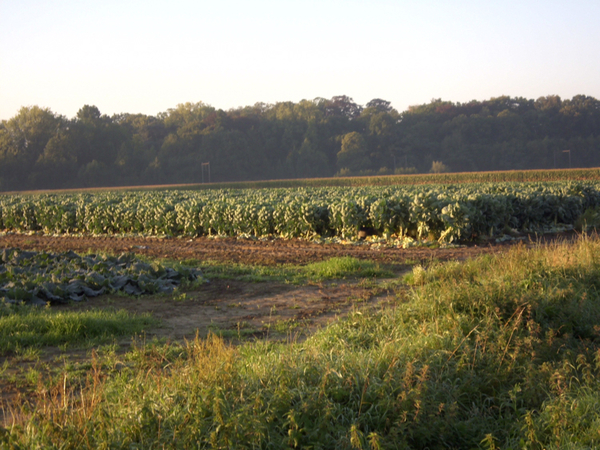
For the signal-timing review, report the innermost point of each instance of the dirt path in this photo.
(240, 310)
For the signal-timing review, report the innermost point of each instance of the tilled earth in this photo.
(258, 252)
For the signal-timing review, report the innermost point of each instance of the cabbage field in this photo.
(448, 213)
(40, 278)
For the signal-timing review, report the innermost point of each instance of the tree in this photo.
(29, 131)
(342, 105)
(378, 105)
(308, 161)
(96, 137)
(144, 137)
(22, 141)
(56, 167)
(439, 167)
(39, 149)
(353, 155)
(186, 114)
(95, 174)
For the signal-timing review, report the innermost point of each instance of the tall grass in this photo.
(24, 326)
(498, 352)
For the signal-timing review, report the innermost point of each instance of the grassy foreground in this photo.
(499, 352)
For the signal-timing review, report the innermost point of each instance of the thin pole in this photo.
(569, 152)
(207, 164)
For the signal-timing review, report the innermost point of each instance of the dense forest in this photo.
(312, 138)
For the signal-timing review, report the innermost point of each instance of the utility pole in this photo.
(569, 152)
(564, 151)
(207, 164)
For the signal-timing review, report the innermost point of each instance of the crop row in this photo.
(448, 212)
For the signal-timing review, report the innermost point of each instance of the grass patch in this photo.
(25, 327)
(498, 352)
(342, 268)
(240, 332)
(334, 268)
(244, 272)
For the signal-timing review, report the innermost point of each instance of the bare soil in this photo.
(258, 252)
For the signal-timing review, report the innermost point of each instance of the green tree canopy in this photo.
(353, 154)
(319, 137)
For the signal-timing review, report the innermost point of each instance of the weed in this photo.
(32, 376)
(27, 353)
(24, 329)
(344, 267)
(180, 296)
(285, 326)
(235, 305)
(590, 219)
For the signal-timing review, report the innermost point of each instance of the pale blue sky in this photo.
(148, 56)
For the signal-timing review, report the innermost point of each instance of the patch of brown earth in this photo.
(260, 252)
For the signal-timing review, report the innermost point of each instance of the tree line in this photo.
(312, 138)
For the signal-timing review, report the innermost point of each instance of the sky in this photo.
(148, 56)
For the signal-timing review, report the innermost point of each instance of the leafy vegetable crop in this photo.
(41, 278)
(446, 212)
